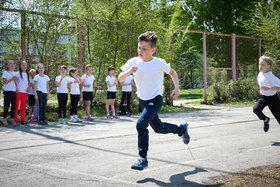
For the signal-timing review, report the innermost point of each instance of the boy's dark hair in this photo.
(150, 37)
(72, 70)
(110, 68)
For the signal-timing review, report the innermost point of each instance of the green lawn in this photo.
(191, 94)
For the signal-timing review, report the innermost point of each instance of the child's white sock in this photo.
(114, 114)
(71, 117)
(75, 116)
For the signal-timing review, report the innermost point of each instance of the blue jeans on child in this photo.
(42, 99)
(149, 115)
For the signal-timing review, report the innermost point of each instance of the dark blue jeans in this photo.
(42, 98)
(149, 115)
(9, 99)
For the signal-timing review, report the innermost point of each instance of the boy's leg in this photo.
(274, 106)
(13, 103)
(107, 105)
(64, 106)
(87, 107)
(72, 99)
(7, 99)
(40, 106)
(18, 99)
(44, 106)
(113, 106)
(60, 104)
(122, 101)
(258, 108)
(128, 95)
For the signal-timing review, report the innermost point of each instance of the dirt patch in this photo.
(259, 176)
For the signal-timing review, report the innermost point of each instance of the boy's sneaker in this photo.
(29, 117)
(116, 116)
(45, 122)
(88, 118)
(119, 113)
(109, 117)
(78, 120)
(128, 114)
(33, 120)
(60, 121)
(23, 123)
(74, 120)
(185, 135)
(266, 124)
(65, 121)
(141, 164)
(40, 123)
(13, 123)
(4, 122)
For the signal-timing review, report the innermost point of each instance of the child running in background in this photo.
(126, 94)
(87, 90)
(31, 93)
(269, 85)
(9, 92)
(42, 90)
(22, 91)
(74, 83)
(62, 93)
(112, 83)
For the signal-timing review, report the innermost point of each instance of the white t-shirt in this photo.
(111, 80)
(88, 81)
(269, 80)
(127, 80)
(63, 87)
(42, 83)
(31, 87)
(75, 88)
(149, 76)
(11, 86)
(22, 83)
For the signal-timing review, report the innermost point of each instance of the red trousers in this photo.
(20, 97)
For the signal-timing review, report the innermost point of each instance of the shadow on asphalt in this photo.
(176, 180)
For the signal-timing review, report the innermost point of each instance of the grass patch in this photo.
(259, 176)
(191, 94)
(166, 109)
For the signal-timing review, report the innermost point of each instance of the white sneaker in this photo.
(13, 123)
(4, 122)
(78, 120)
(74, 120)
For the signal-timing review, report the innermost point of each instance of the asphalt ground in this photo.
(100, 153)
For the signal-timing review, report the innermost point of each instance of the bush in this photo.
(232, 91)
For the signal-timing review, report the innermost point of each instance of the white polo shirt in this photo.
(63, 87)
(42, 83)
(269, 80)
(88, 81)
(111, 80)
(11, 86)
(149, 76)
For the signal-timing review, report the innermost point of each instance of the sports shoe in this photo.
(266, 124)
(23, 123)
(78, 120)
(140, 164)
(119, 113)
(13, 123)
(29, 117)
(65, 121)
(88, 118)
(45, 122)
(185, 135)
(74, 120)
(60, 121)
(116, 116)
(128, 114)
(33, 120)
(40, 123)
(109, 117)
(4, 122)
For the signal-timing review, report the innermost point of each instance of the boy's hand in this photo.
(133, 69)
(14, 78)
(174, 93)
(36, 97)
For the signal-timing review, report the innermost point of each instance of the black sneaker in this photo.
(266, 124)
(24, 123)
(119, 113)
(141, 164)
(40, 123)
(45, 122)
(128, 114)
(185, 136)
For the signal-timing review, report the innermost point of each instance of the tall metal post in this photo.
(204, 67)
(233, 57)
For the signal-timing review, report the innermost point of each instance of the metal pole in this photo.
(204, 67)
(233, 57)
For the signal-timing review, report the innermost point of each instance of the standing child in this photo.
(9, 92)
(111, 82)
(22, 91)
(31, 93)
(42, 90)
(87, 90)
(74, 83)
(269, 85)
(126, 94)
(148, 74)
(62, 93)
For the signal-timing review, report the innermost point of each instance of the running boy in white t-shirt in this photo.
(112, 83)
(87, 90)
(148, 74)
(9, 92)
(62, 94)
(269, 85)
(126, 94)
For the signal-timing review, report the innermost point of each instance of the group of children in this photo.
(34, 85)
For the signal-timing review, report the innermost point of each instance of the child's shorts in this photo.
(111, 95)
(88, 96)
(31, 100)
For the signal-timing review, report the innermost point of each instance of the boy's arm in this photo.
(124, 74)
(48, 88)
(174, 77)
(264, 88)
(59, 82)
(35, 90)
